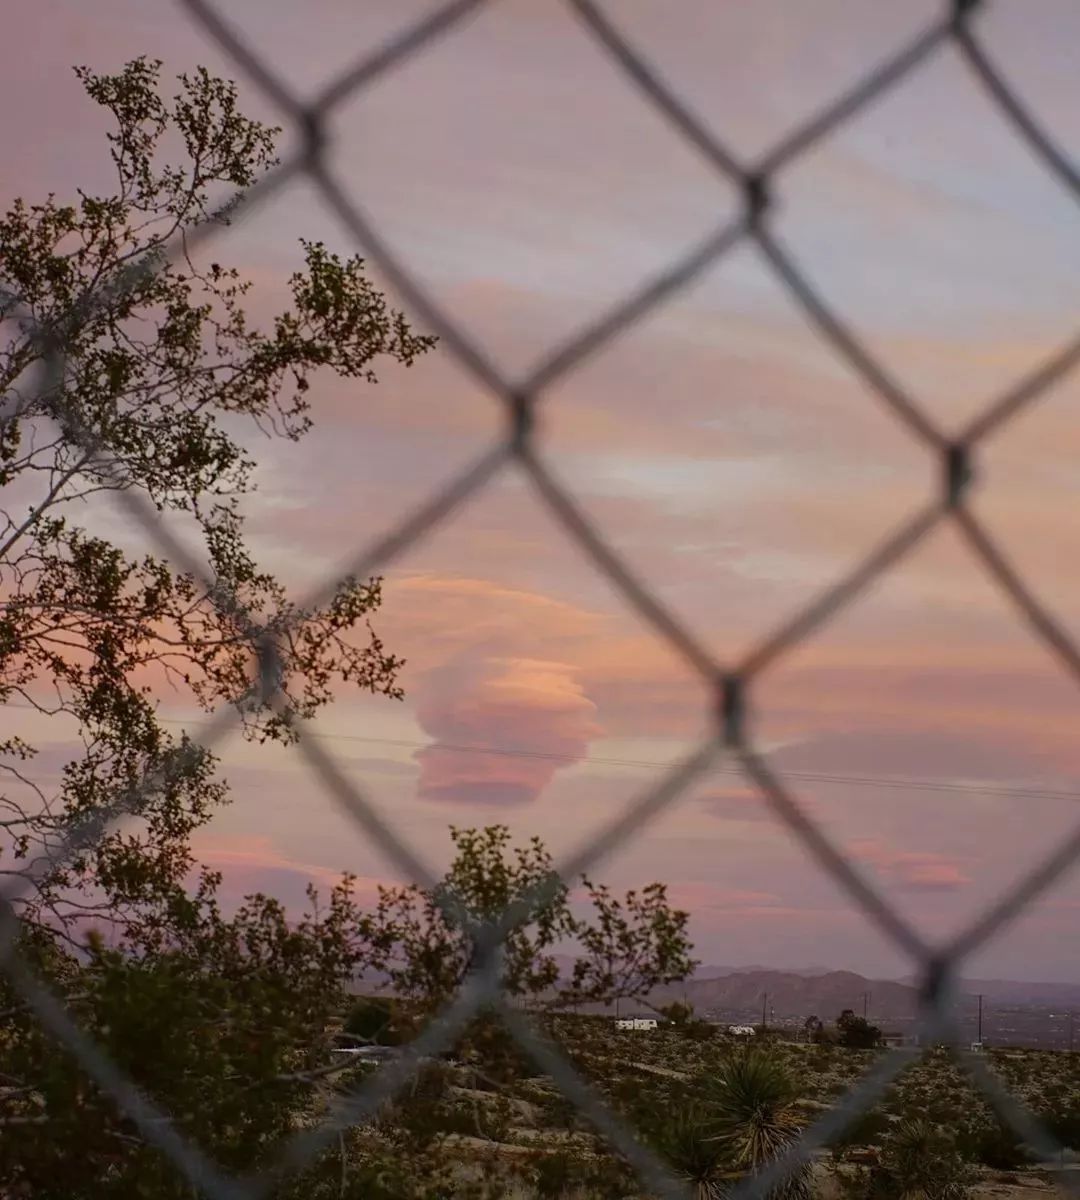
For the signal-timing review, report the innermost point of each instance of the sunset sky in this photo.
(719, 445)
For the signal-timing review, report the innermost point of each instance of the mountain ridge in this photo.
(822, 992)
(794, 994)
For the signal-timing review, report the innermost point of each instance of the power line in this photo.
(891, 782)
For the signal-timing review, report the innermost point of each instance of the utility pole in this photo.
(865, 1005)
(764, 1022)
(980, 1018)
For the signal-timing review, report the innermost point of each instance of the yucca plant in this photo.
(685, 1140)
(750, 1103)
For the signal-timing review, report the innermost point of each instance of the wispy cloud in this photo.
(910, 871)
(719, 446)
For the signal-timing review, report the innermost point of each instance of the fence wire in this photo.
(730, 684)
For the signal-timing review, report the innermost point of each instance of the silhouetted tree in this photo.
(222, 1021)
(677, 1012)
(856, 1032)
(156, 369)
(626, 947)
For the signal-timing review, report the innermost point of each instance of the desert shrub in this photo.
(383, 1177)
(419, 1109)
(556, 1173)
(751, 1112)
(992, 1142)
(495, 1119)
(559, 1112)
(1063, 1122)
(685, 1138)
(375, 1019)
(428, 1109)
(919, 1159)
(607, 1179)
(394, 1167)
(491, 1118)
(868, 1129)
(488, 1046)
(561, 1174)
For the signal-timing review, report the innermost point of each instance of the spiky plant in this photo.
(684, 1139)
(752, 1117)
(920, 1162)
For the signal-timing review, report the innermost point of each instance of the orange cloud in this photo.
(536, 707)
(706, 898)
(252, 863)
(636, 683)
(909, 871)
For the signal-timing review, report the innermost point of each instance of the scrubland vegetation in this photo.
(230, 1022)
(484, 1122)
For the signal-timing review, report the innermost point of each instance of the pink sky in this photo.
(722, 449)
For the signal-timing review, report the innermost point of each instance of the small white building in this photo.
(741, 1030)
(636, 1023)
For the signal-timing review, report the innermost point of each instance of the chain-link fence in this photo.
(730, 683)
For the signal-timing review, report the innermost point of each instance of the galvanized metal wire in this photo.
(730, 685)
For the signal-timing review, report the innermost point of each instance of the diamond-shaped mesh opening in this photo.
(759, 182)
(572, 217)
(790, 446)
(947, 319)
(933, 753)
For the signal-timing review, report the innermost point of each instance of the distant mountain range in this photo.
(714, 972)
(1016, 991)
(826, 993)
(795, 993)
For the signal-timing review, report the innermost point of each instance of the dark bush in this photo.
(489, 1047)
(920, 1159)
(420, 1108)
(698, 1030)
(375, 1019)
(678, 1013)
(556, 1174)
(856, 1033)
(1064, 1124)
(868, 1129)
(559, 1112)
(992, 1143)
